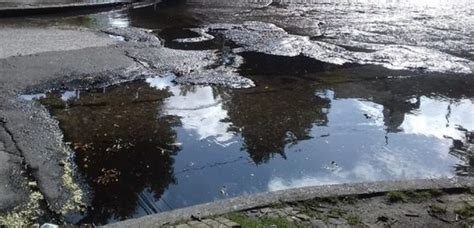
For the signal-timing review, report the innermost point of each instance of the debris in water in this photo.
(49, 225)
(223, 190)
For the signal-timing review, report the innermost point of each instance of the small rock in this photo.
(253, 213)
(280, 213)
(318, 223)
(194, 223)
(197, 216)
(288, 210)
(410, 214)
(295, 212)
(470, 202)
(382, 219)
(295, 219)
(272, 215)
(338, 221)
(211, 223)
(227, 222)
(321, 210)
(232, 224)
(303, 217)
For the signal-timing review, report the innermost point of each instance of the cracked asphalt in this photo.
(38, 60)
(27, 132)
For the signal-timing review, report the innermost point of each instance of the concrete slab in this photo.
(291, 195)
(28, 41)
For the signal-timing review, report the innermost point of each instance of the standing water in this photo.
(390, 98)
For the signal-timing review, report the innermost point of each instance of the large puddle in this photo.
(150, 146)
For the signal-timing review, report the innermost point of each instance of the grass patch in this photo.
(319, 207)
(421, 196)
(413, 196)
(466, 211)
(351, 200)
(435, 192)
(336, 213)
(397, 197)
(437, 209)
(353, 220)
(246, 221)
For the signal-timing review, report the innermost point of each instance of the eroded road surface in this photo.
(132, 112)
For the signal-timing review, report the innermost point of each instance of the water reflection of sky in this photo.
(439, 118)
(360, 147)
(202, 112)
(209, 143)
(363, 153)
(199, 109)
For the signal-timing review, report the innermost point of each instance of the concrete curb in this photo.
(24, 10)
(291, 195)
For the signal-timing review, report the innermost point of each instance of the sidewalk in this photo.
(27, 7)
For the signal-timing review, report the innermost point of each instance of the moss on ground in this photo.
(76, 200)
(422, 196)
(413, 196)
(350, 199)
(353, 219)
(397, 197)
(23, 215)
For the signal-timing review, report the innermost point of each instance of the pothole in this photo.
(151, 145)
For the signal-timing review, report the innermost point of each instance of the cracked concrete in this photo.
(7, 145)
